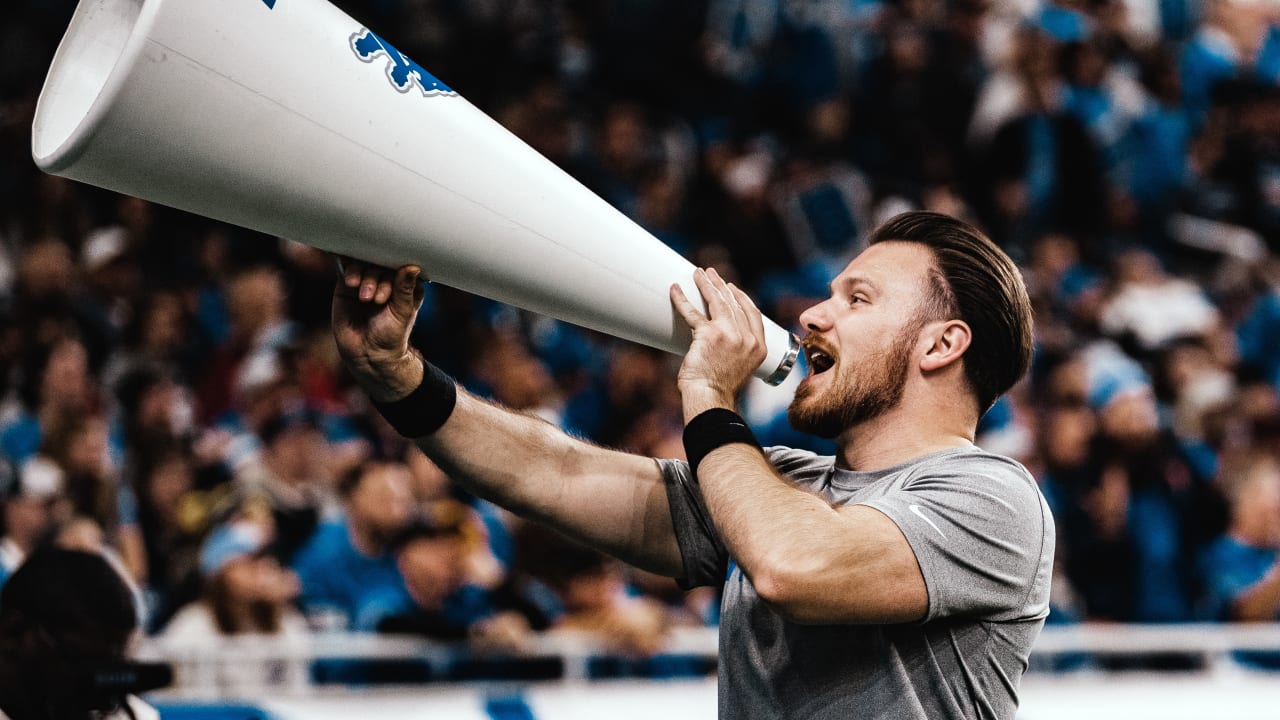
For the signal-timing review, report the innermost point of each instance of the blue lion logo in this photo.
(401, 71)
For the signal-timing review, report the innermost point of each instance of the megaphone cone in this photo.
(288, 117)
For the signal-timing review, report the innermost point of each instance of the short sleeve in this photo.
(1229, 571)
(983, 537)
(705, 558)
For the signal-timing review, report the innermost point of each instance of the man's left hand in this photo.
(728, 343)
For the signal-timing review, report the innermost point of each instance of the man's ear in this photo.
(948, 341)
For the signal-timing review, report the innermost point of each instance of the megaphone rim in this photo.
(63, 151)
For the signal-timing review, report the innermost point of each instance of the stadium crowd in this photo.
(171, 391)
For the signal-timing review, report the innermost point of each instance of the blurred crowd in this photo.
(171, 393)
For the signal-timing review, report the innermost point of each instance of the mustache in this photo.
(813, 342)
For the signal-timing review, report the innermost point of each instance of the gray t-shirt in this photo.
(984, 539)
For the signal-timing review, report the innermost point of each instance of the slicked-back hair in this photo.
(974, 281)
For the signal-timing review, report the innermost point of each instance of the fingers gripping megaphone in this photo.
(288, 117)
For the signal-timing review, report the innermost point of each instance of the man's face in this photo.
(432, 569)
(862, 340)
(26, 519)
(297, 454)
(383, 501)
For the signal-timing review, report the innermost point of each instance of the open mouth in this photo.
(819, 360)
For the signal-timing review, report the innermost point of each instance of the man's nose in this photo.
(814, 319)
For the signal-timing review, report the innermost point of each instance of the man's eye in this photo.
(856, 299)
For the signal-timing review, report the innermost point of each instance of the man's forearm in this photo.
(610, 500)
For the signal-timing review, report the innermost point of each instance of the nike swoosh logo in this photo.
(916, 509)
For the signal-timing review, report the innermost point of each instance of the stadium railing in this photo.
(688, 652)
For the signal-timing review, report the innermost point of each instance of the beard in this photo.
(857, 394)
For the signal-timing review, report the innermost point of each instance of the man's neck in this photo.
(897, 437)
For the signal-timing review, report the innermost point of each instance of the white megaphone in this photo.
(288, 117)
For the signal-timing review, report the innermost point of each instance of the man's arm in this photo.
(811, 562)
(613, 501)
(610, 500)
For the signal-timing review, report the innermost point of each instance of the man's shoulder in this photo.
(980, 476)
(787, 460)
(973, 462)
(802, 468)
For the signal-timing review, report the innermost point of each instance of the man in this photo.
(28, 500)
(437, 600)
(906, 577)
(348, 563)
(287, 480)
(1243, 566)
(67, 620)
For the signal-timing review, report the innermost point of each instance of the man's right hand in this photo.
(373, 313)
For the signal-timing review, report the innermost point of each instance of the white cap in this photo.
(102, 246)
(260, 370)
(41, 478)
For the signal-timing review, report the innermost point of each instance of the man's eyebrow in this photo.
(850, 282)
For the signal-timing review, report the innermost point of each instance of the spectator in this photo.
(1149, 309)
(1143, 509)
(174, 514)
(50, 304)
(154, 409)
(288, 480)
(1103, 98)
(431, 560)
(1153, 166)
(29, 497)
(1258, 335)
(348, 566)
(247, 596)
(162, 334)
(66, 622)
(516, 378)
(592, 590)
(1242, 566)
(1228, 41)
(255, 300)
(112, 278)
(438, 601)
(56, 383)
(80, 447)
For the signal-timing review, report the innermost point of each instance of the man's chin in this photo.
(805, 418)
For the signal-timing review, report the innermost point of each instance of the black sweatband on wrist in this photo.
(713, 429)
(424, 410)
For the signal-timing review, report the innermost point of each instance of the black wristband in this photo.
(712, 429)
(424, 410)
